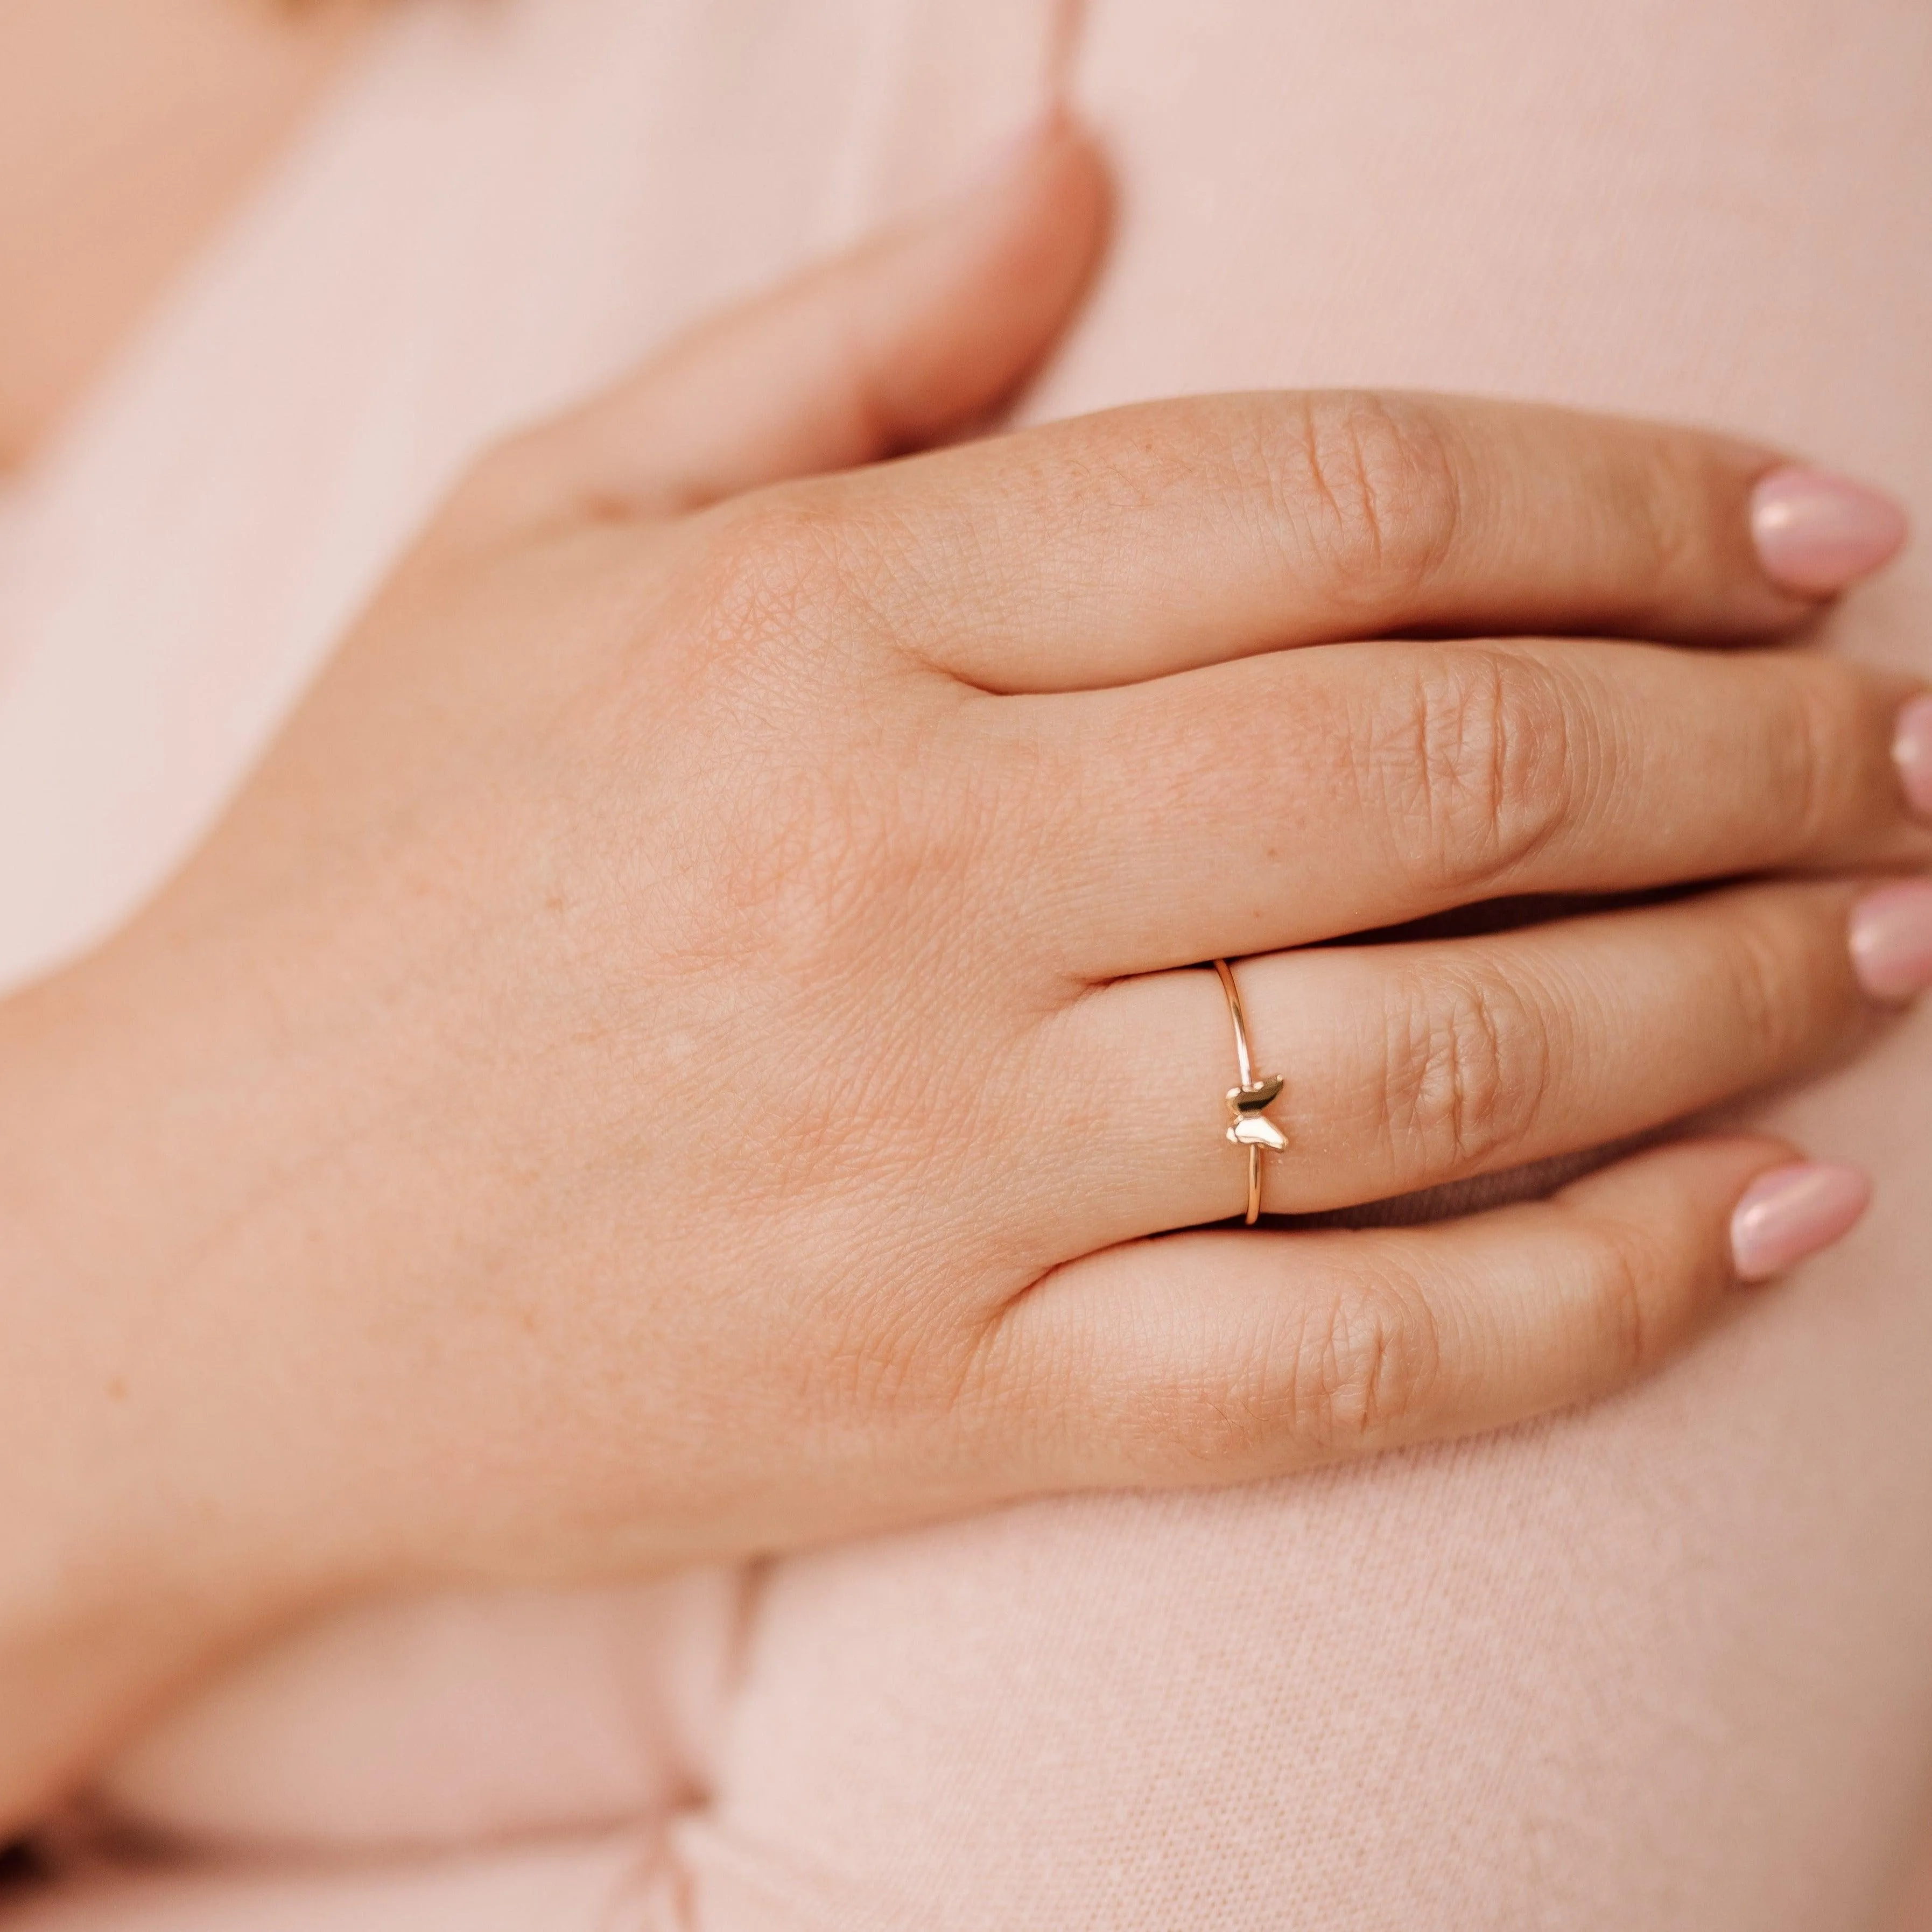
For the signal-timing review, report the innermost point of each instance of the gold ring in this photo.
(1248, 1124)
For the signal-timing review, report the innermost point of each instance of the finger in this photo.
(1216, 1356)
(1411, 1065)
(1151, 539)
(1244, 808)
(891, 347)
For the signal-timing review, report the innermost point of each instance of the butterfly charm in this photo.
(1248, 1123)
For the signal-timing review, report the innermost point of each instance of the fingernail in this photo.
(1891, 941)
(1817, 532)
(1912, 752)
(1792, 1212)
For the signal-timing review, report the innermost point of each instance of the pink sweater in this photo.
(1664, 1665)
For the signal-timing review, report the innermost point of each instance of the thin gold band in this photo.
(1248, 1124)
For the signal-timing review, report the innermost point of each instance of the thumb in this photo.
(910, 337)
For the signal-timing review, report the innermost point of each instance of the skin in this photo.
(680, 1049)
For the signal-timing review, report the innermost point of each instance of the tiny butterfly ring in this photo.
(1248, 1124)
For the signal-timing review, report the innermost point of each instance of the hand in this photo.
(677, 1051)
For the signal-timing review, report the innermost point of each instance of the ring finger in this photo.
(1414, 1063)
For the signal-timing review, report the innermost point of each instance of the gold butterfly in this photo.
(1248, 1123)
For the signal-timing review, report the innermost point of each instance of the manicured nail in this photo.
(1817, 532)
(1891, 941)
(1792, 1212)
(1912, 752)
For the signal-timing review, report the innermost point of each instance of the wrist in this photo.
(153, 1447)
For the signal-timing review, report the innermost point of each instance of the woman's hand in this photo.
(677, 1052)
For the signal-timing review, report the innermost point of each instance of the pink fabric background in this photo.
(1666, 1664)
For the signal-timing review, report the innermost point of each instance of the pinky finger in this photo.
(1218, 1355)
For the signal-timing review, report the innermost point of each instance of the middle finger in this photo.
(1247, 807)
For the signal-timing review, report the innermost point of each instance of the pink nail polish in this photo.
(1912, 752)
(1891, 941)
(1792, 1212)
(1816, 531)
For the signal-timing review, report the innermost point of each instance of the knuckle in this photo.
(1768, 975)
(777, 573)
(1623, 1279)
(1352, 1366)
(1368, 485)
(1813, 765)
(1468, 1059)
(867, 1365)
(1365, 1361)
(1474, 766)
(906, 1360)
(818, 870)
(820, 867)
(1660, 506)
(1670, 524)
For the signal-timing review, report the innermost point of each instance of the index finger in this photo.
(1165, 535)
